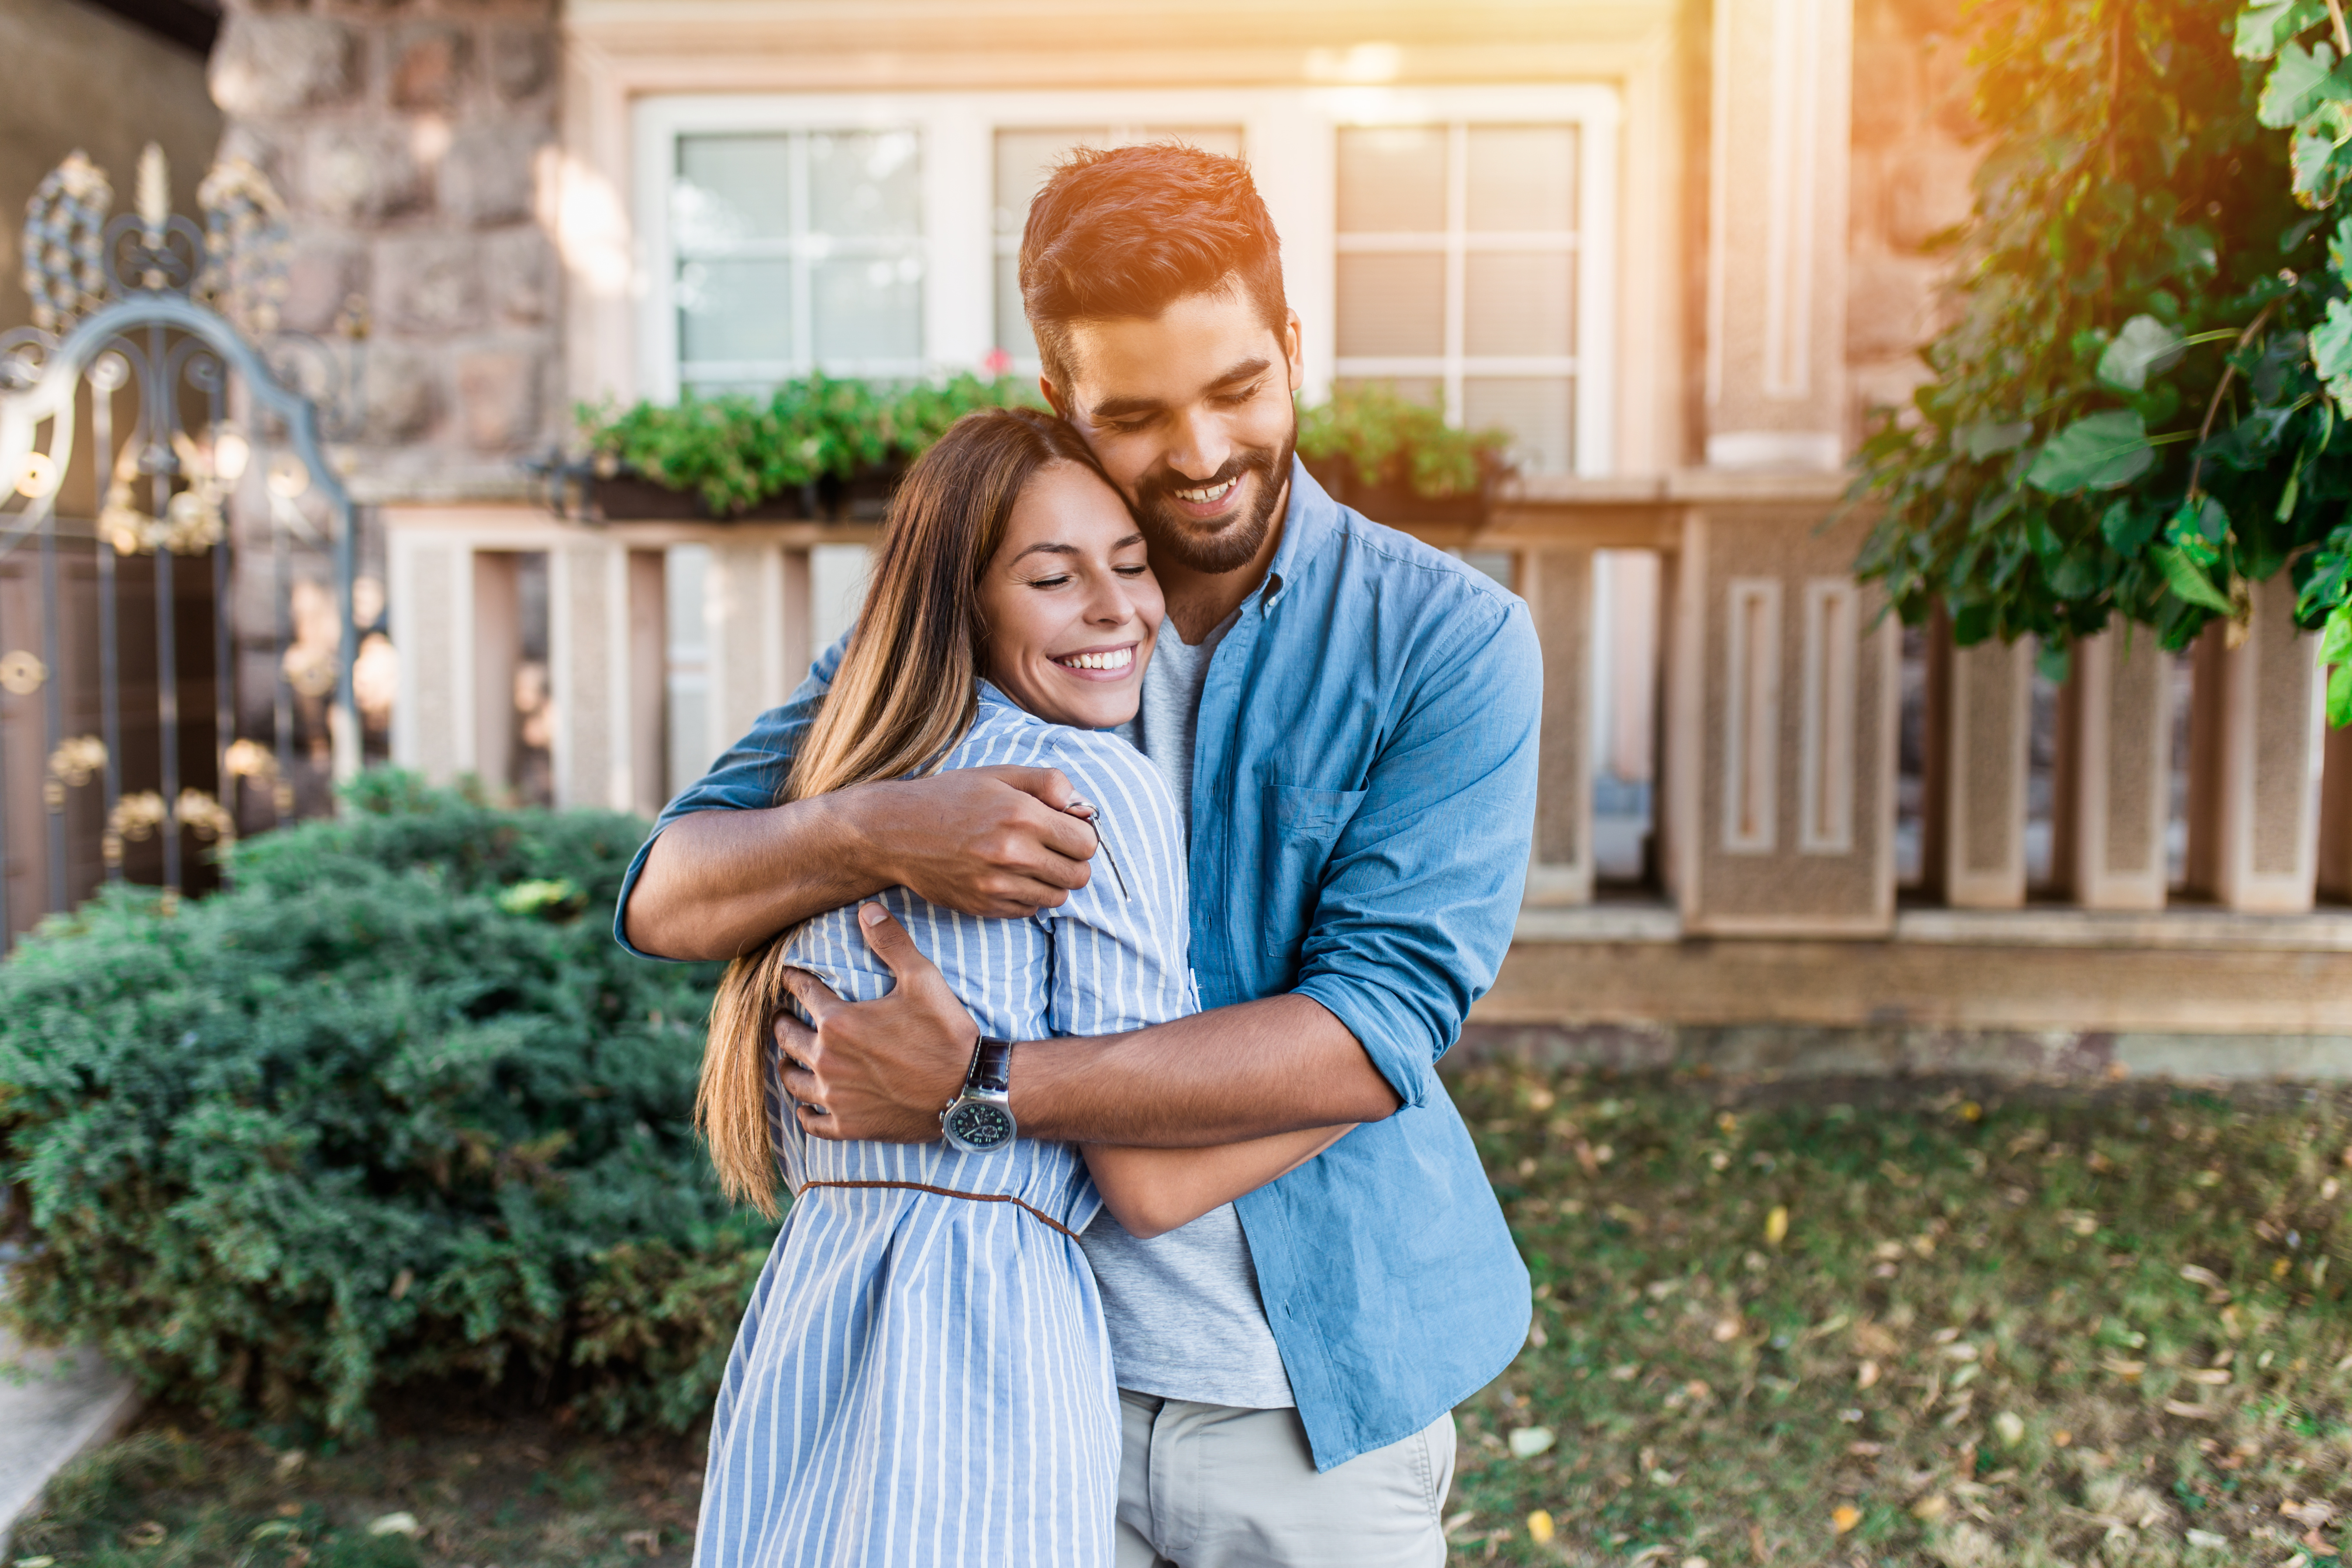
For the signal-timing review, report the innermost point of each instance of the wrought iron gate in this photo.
(203, 433)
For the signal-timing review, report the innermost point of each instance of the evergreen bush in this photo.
(391, 1105)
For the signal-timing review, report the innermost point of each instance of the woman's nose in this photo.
(1112, 604)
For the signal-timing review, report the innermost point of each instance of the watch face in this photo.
(976, 1124)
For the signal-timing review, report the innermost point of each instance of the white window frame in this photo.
(1288, 134)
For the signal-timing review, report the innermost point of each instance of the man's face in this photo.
(1189, 414)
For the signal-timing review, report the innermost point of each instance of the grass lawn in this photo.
(1804, 1323)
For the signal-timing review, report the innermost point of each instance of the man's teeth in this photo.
(1206, 493)
(1117, 659)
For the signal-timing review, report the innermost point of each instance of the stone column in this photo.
(648, 657)
(1777, 233)
(1980, 702)
(414, 145)
(755, 610)
(431, 597)
(2256, 751)
(1558, 587)
(2336, 819)
(1781, 730)
(497, 650)
(588, 647)
(2116, 790)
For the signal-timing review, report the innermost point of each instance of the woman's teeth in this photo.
(1117, 659)
(1204, 494)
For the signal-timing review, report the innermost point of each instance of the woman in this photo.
(923, 1376)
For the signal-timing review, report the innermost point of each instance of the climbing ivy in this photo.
(2126, 415)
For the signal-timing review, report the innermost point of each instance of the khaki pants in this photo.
(1209, 1486)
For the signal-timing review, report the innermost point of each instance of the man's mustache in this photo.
(1167, 480)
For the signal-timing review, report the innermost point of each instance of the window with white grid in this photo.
(1455, 241)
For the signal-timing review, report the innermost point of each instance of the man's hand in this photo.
(992, 842)
(882, 1070)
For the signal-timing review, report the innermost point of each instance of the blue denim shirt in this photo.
(1363, 797)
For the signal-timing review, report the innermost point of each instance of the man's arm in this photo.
(884, 1069)
(986, 841)
(727, 867)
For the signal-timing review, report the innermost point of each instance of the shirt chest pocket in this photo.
(1301, 827)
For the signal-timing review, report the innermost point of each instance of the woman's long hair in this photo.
(905, 694)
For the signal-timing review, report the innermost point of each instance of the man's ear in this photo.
(1053, 395)
(1294, 349)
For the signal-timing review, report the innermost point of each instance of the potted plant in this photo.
(1397, 460)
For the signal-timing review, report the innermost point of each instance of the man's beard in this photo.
(1177, 538)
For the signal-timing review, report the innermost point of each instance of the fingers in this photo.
(891, 943)
(1048, 784)
(815, 998)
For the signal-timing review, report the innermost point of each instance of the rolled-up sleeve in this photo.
(1419, 900)
(750, 774)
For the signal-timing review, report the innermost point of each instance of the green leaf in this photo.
(2187, 581)
(1989, 437)
(2294, 86)
(2144, 345)
(2127, 528)
(2336, 637)
(2187, 533)
(2339, 696)
(2098, 452)
(2331, 349)
(2053, 661)
(2261, 29)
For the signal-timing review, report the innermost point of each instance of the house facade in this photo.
(1677, 249)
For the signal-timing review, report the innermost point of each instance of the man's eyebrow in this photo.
(1129, 408)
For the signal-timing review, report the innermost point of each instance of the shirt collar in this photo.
(1307, 521)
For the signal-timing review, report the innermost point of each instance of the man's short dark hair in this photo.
(1128, 232)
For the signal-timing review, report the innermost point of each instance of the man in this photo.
(1349, 719)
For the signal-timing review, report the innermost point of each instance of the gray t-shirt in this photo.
(1185, 1319)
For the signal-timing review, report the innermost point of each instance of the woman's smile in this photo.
(1114, 662)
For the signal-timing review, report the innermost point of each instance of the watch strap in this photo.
(992, 1068)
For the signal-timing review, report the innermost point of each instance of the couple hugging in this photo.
(1135, 858)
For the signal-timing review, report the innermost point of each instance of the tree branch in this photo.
(2343, 38)
(2230, 367)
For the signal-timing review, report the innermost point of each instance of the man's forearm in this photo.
(1245, 1071)
(717, 884)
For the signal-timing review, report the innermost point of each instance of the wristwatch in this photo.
(980, 1118)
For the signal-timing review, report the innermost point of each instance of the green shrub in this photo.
(1388, 440)
(733, 452)
(392, 1104)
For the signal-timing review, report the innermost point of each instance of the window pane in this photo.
(1013, 333)
(1518, 303)
(1393, 179)
(864, 185)
(1391, 305)
(1023, 159)
(1522, 177)
(739, 309)
(1427, 389)
(867, 309)
(731, 188)
(1534, 409)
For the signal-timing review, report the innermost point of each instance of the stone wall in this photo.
(72, 76)
(414, 142)
(1914, 152)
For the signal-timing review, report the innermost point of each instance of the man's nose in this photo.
(1202, 446)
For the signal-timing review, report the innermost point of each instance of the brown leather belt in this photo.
(1030, 1209)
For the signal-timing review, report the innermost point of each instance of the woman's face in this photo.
(1072, 607)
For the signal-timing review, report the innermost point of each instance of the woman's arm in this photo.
(1153, 1190)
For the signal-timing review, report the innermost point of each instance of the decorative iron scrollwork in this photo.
(65, 239)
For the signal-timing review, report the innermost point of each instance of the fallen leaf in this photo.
(2192, 1412)
(2122, 1368)
(289, 1461)
(2216, 1376)
(645, 1541)
(1727, 1328)
(1626, 1372)
(2196, 1275)
(1866, 1374)
(1776, 1225)
(1845, 1517)
(1931, 1508)
(145, 1534)
(1539, 1526)
(2010, 1427)
(393, 1524)
(2207, 1540)
(1456, 1523)
(1527, 1442)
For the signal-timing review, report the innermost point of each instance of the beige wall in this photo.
(73, 76)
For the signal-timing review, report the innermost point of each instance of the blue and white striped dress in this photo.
(922, 1379)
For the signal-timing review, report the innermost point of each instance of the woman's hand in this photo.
(1153, 1190)
(880, 1070)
